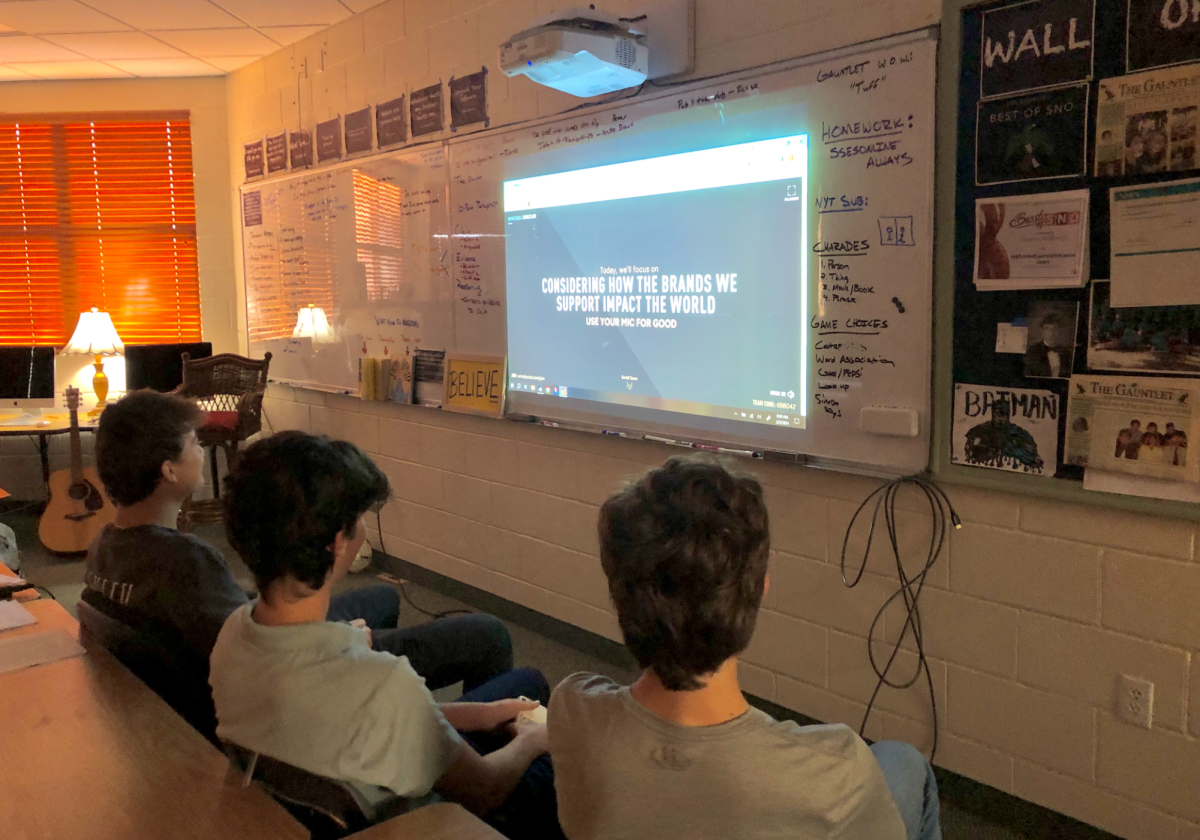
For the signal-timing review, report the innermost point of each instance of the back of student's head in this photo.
(685, 551)
(136, 435)
(288, 499)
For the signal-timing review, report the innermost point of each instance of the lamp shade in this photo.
(312, 323)
(95, 335)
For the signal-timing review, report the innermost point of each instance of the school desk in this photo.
(89, 751)
(26, 595)
(443, 821)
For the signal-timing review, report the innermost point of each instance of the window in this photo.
(97, 211)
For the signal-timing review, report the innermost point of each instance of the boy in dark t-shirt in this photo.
(176, 590)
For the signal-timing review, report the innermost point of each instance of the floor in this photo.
(63, 578)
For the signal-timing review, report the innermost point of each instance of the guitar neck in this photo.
(76, 450)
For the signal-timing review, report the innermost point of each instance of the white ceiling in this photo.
(102, 39)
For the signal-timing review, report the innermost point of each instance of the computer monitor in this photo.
(26, 377)
(160, 366)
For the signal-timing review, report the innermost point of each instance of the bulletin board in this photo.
(990, 151)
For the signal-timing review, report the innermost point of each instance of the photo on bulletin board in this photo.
(1036, 45)
(1025, 138)
(1010, 429)
(1147, 123)
(1160, 33)
(1050, 348)
(1031, 241)
(1147, 339)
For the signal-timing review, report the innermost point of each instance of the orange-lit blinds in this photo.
(97, 213)
(377, 235)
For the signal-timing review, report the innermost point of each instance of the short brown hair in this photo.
(136, 435)
(685, 550)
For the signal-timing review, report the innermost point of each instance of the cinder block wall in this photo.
(1031, 616)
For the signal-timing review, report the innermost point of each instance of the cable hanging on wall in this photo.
(943, 517)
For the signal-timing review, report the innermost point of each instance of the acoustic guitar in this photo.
(78, 508)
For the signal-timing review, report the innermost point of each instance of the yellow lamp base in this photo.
(100, 386)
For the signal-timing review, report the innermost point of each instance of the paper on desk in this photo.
(36, 649)
(9, 580)
(14, 615)
(1155, 242)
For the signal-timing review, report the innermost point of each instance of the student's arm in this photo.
(207, 593)
(483, 783)
(480, 717)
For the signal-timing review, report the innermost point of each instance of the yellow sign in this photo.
(475, 384)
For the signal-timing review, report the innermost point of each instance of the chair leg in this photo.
(216, 481)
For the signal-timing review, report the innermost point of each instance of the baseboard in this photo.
(997, 807)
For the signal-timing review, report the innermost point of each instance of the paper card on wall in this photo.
(1010, 429)
(1155, 244)
(254, 159)
(329, 140)
(1159, 33)
(425, 109)
(252, 208)
(1040, 135)
(391, 124)
(1036, 44)
(277, 153)
(1031, 241)
(1132, 424)
(358, 131)
(300, 143)
(1149, 339)
(1147, 123)
(468, 100)
(475, 384)
(1011, 338)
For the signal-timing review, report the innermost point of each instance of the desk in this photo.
(89, 751)
(27, 595)
(443, 821)
(58, 425)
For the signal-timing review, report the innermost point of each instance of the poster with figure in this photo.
(1025, 138)
(1010, 429)
(1133, 425)
(1031, 241)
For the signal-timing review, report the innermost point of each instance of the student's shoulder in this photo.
(835, 739)
(583, 690)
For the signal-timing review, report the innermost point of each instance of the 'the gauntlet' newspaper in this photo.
(1133, 425)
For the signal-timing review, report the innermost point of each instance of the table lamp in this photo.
(311, 323)
(96, 336)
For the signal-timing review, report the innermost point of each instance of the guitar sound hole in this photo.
(79, 490)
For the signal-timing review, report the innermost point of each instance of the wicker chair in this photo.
(231, 389)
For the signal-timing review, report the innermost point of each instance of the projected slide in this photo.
(676, 283)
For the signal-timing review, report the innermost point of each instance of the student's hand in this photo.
(361, 623)
(500, 712)
(535, 736)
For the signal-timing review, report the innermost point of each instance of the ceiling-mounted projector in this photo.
(582, 52)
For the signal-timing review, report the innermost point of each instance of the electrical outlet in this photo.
(1135, 701)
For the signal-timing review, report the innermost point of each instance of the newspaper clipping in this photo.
(1132, 425)
(1147, 122)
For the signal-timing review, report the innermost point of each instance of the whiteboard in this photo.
(872, 104)
(366, 242)
(869, 114)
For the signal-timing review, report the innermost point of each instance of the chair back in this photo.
(327, 807)
(231, 388)
(170, 670)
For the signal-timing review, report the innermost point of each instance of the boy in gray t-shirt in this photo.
(680, 754)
